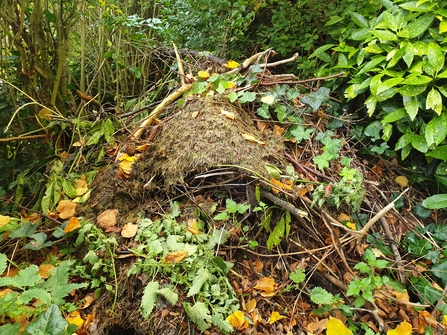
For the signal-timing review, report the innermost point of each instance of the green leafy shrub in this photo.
(396, 60)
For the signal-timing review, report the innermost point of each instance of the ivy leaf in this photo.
(201, 277)
(26, 230)
(49, 322)
(149, 298)
(199, 314)
(300, 133)
(247, 97)
(315, 99)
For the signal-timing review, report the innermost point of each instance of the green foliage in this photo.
(201, 273)
(28, 286)
(396, 60)
(349, 190)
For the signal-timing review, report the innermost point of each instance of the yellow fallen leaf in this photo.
(402, 181)
(66, 209)
(203, 74)
(237, 320)
(129, 230)
(126, 166)
(107, 218)
(126, 157)
(444, 320)
(250, 305)
(142, 148)
(402, 296)
(275, 316)
(344, 217)
(351, 225)
(46, 114)
(44, 270)
(81, 186)
(232, 64)
(231, 84)
(175, 257)
(268, 99)
(72, 225)
(404, 328)
(265, 284)
(336, 327)
(251, 138)
(79, 143)
(75, 318)
(193, 226)
(4, 220)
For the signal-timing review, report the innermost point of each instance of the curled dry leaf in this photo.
(250, 305)
(228, 115)
(277, 130)
(72, 225)
(404, 328)
(107, 218)
(232, 64)
(81, 186)
(66, 209)
(193, 226)
(87, 301)
(251, 138)
(175, 257)
(129, 230)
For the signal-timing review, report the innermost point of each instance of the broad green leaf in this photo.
(370, 104)
(443, 90)
(437, 201)
(49, 322)
(315, 99)
(404, 140)
(386, 135)
(321, 50)
(359, 20)
(10, 329)
(387, 84)
(27, 277)
(373, 48)
(69, 189)
(434, 101)
(384, 35)
(26, 230)
(263, 111)
(409, 54)
(411, 105)
(300, 133)
(201, 277)
(148, 299)
(412, 90)
(394, 116)
(417, 27)
(390, 20)
(373, 130)
(442, 75)
(297, 276)
(199, 314)
(372, 64)
(362, 34)
(405, 151)
(416, 6)
(435, 56)
(416, 79)
(35, 293)
(439, 153)
(232, 96)
(436, 129)
(395, 57)
(419, 143)
(442, 26)
(440, 232)
(277, 234)
(375, 82)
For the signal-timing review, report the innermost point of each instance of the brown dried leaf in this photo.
(87, 301)
(262, 126)
(250, 138)
(265, 284)
(129, 230)
(277, 130)
(175, 257)
(193, 226)
(66, 209)
(107, 218)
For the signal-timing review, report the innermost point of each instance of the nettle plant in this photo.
(397, 61)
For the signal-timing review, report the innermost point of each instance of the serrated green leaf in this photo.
(362, 267)
(10, 329)
(221, 216)
(148, 299)
(297, 276)
(219, 236)
(27, 277)
(434, 101)
(222, 324)
(49, 322)
(381, 264)
(201, 277)
(169, 295)
(3, 264)
(322, 297)
(199, 314)
(34, 293)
